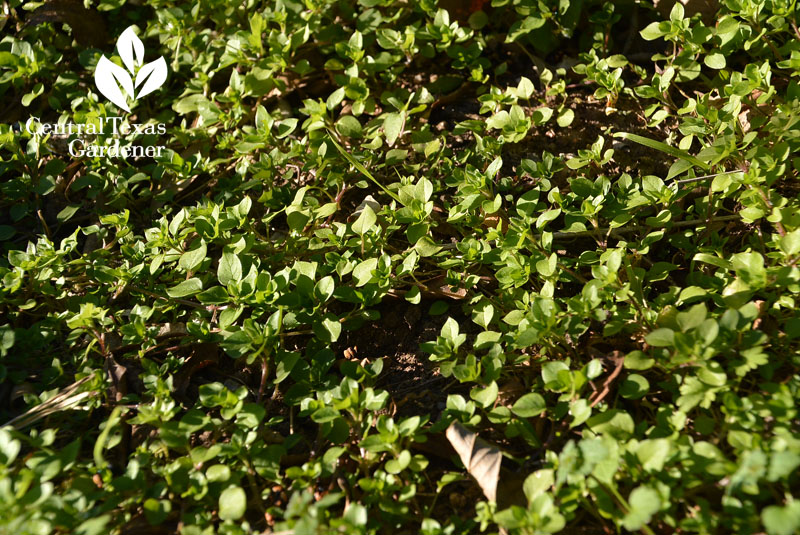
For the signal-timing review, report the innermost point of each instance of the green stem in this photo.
(623, 502)
(100, 445)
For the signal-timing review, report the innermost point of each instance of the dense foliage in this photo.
(571, 226)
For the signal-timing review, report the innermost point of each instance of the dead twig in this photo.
(67, 399)
(597, 397)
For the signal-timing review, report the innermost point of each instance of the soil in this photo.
(412, 380)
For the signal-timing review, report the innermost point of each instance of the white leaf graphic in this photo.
(129, 45)
(109, 77)
(154, 74)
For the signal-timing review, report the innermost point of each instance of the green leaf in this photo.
(782, 464)
(486, 339)
(644, 503)
(547, 267)
(362, 273)
(297, 218)
(263, 120)
(329, 329)
(485, 396)
(547, 216)
(652, 453)
(9, 447)
(692, 318)
(335, 98)
(614, 422)
(230, 268)
(349, 126)
(522, 28)
(218, 472)
(498, 120)
(529, 405)
(186, 288)
(663, 337)
(324, 288)
(677, 168)
(156, 511)
(6, 232)
(652, 31)
(285, 127)
(634, 386)
(715, 60)
(565, 118)
(525, 88)
(27, 98)
(677, 12)
(216, 295)
(232, 503)
(580, 411)
(790, 243)
(425, 246)
(713, 260)
(438, 308)
(67, 212)
(414, 295)
(483, 313)
(782, 520)
(365, 221)
(395, 466)
(324, 415)
(393, 126)
(450, 330)
(537, 483)
(712, 374)
(542, 115)
(191, 259)
(190, 103)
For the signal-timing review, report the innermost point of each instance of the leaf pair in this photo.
(119, 85)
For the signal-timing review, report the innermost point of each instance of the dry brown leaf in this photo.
(496, 221)
(169, 330)
(438, 287)
(744, 121)
(68, 398)
(481, 458)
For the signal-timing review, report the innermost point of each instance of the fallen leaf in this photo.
(438, 287)
(481, 458)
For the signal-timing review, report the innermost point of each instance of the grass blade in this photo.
(361, 168)
(663, 147)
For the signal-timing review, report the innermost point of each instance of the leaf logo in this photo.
(119, 85)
